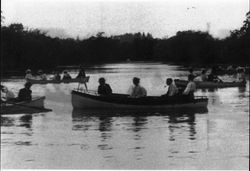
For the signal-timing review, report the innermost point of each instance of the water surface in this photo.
(216, 138)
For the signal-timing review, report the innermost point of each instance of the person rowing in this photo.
(191, 87)
(25, 93)
(172, 89)
(137, 91)
(103, 88)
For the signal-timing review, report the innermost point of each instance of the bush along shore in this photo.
(24, 48)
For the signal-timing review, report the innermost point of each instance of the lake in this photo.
(67, 139)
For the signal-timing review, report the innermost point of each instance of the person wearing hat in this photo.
(41, 75)
(28, 75)
(103, 88)
(191, 87)
(25, 93)
(137, 91)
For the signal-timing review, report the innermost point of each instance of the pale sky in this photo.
(161, 18)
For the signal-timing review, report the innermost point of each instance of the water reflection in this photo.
(176, 122)
(20, 121)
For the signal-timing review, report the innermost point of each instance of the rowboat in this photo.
(206, 84)
(75, 80)
(36, 105)
(85, 100)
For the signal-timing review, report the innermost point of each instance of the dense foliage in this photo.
(25, 48)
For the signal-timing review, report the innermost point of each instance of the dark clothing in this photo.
(66, 77)
(104, 89)
(212, 78)
(81, 74)
(57, 77)
(24, 94)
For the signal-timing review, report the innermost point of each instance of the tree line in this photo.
(23, 48)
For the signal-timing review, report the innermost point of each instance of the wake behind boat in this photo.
(75, 80)
(83, 100)
(36, 105)
(207, 84)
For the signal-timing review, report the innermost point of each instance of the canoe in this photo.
(82, 100)
(36, 105)
(206, 84)
(75, 80)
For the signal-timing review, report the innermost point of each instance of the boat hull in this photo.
(85, 101)
(199, 84)
(76, 80)
(33, 106)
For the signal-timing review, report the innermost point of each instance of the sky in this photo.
(161, 18)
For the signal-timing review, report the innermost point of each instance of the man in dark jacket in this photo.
(25, 93)
(104, 89)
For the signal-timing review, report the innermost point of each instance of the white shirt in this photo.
(29, 76)
(137, 91)
(191, 87)
(172, 89)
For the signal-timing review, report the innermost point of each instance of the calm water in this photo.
(67, 139)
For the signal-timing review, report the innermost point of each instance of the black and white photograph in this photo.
(125, 84)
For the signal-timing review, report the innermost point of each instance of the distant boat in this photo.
(76, 80)
(36, 105)
(82, 100)
(206, 84)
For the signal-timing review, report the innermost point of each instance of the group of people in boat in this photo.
(138, 91)
(56, 75)
(212, 75)
(24, 94)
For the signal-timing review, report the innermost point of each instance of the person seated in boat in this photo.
(241, 77)
(191, 87)
(103, 88)
(25, 93)
(6, 95)
(57, 76)
(191, 72)
(81, 75)
(28, 75)
(66, 76)
(172, 89)
(41, 75)
(137, 91)
(213, 78)
(203, 75)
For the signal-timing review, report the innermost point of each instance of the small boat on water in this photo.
(36, 105)
(75, 80)
(206, 84)
(83, 100)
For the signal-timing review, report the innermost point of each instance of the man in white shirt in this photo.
(191, 87)
(172, 89)
(137, 91)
